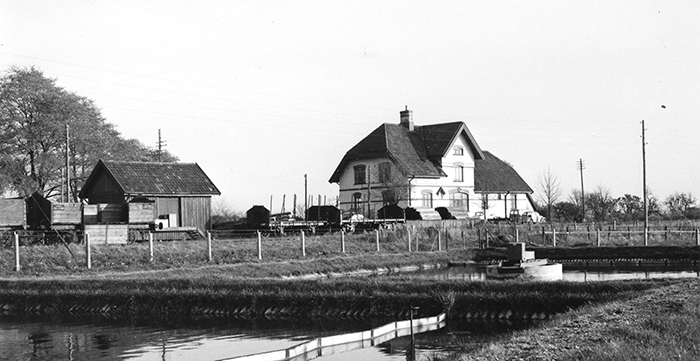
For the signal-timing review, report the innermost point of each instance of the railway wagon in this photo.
(43, 214)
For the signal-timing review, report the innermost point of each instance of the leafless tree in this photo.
(549, 189)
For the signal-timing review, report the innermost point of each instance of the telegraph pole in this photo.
(160, 144)
(581, 167)
(67, 165)
(644, 177)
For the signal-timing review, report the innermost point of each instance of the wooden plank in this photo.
(141, 212)
(108, 233)
(12, 213)
(91, 213)
(65, 213)
(112, 213)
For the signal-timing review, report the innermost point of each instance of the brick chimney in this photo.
(407, 118)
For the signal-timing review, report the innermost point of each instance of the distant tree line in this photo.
(34, 113)
(600, 206)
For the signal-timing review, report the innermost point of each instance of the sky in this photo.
(261, 93)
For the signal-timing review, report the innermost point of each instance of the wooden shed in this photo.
(179, 192)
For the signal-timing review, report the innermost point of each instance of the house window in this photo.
(459, 173)
(360, 177)
(460, 200)
(357, 202)
(384, 172)
(458, 151)
(427, 199)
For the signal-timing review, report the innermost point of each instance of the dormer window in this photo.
(360, 174)
(458, 151)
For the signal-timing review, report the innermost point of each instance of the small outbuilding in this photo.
(178, 192)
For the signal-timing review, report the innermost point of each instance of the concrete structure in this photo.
(347, 342)
(426, 167)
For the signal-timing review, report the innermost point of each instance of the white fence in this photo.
(347, 342)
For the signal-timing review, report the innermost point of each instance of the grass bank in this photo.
(193, 296)
(661, 323)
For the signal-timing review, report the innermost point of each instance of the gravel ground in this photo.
(569, 336)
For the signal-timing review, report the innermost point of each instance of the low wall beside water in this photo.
(347, 342)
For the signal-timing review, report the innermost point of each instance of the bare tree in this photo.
(549, 189)
(679, 203)
(394, 184)
(602, 203)
(222, 211)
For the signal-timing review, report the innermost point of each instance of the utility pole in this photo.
(644, 177)
(160, 144)
(67, 165)
(306, 198)
(369, 191)
(581, 167)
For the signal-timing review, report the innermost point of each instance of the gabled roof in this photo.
(146, 178)
(492, 175)
(416, 153)
(439, 137)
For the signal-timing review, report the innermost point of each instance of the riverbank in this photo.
(659, 324)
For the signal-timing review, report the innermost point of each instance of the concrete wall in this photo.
(347, 342)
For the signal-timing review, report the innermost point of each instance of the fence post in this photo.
(150, 245)
(697, 237)
(408, 235)
(16, 245)
(554, 237)
(544, 236)
(597, 236)
(439, 240)
(377, 241)
(517, 236)
(487, 237)
(447, 240)
(478, 238)
(208, 246)
(259, 246)
(87, 251)
(342, 241)
(303, 244)
(414, 232)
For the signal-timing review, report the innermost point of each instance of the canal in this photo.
(96, 338)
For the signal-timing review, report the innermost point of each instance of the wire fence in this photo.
(20, 249)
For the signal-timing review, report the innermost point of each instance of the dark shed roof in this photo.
(492, 175)
(145, 178)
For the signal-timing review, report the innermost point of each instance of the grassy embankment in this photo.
(662, 323)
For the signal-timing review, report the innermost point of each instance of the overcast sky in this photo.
(259, 93)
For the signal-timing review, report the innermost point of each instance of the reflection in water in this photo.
(21, 340)
(107, 340)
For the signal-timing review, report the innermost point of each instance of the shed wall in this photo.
(196, 212)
